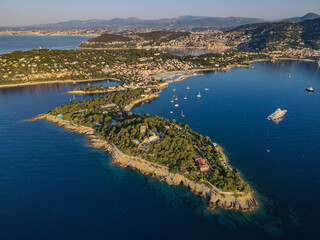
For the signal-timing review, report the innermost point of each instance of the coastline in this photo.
(229, 67)
(56, 81)
(136, 102)
(215, 197)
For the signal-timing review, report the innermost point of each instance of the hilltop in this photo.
(133, 40)
(276, 36)
(267, 36)
(308, 16)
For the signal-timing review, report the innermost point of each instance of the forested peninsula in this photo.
(153, 145)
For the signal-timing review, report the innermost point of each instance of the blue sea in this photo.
(24, 43)
(54, 186)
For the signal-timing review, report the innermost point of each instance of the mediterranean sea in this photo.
(54, 186)
(24, 43)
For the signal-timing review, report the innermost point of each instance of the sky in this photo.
(27, 12)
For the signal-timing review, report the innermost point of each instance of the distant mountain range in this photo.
(133, 22)
(308, 16)
(183, 21)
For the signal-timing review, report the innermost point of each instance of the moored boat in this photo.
(277, 115)
(309, 89)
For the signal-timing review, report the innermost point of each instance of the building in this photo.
(201, 163)
(178, 127)
(143, 129)
(197, 148)
(108, 105)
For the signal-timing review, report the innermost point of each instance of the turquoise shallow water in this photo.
(54, 186)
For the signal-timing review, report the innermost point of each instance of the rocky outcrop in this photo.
(216, 198)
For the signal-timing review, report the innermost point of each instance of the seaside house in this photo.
(202, 164)
(108, 105)
(143, 129)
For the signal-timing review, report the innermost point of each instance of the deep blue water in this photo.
(54, 186)
(24, 43)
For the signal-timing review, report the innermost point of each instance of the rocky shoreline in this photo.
(55, 81)
(214, 196)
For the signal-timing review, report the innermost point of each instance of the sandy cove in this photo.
(145, 99)
(215, 197)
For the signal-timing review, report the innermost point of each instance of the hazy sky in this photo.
(24, 12)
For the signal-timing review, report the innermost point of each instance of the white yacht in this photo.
(176, 105)
(310, 89)
(277, 115)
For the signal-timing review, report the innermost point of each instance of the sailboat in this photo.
(185, 97)
(199, 95)
(174, 89)
(176, 98)
(188, 87)
(182, 115)
(289, 76)
(172, 100)
(74, 98)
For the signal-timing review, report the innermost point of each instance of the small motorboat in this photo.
(171, 112)
(185, 97)
(188, 87)
(206, 89)
(199, 95)
(309, 89)
(174, 89)
(176, 105)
